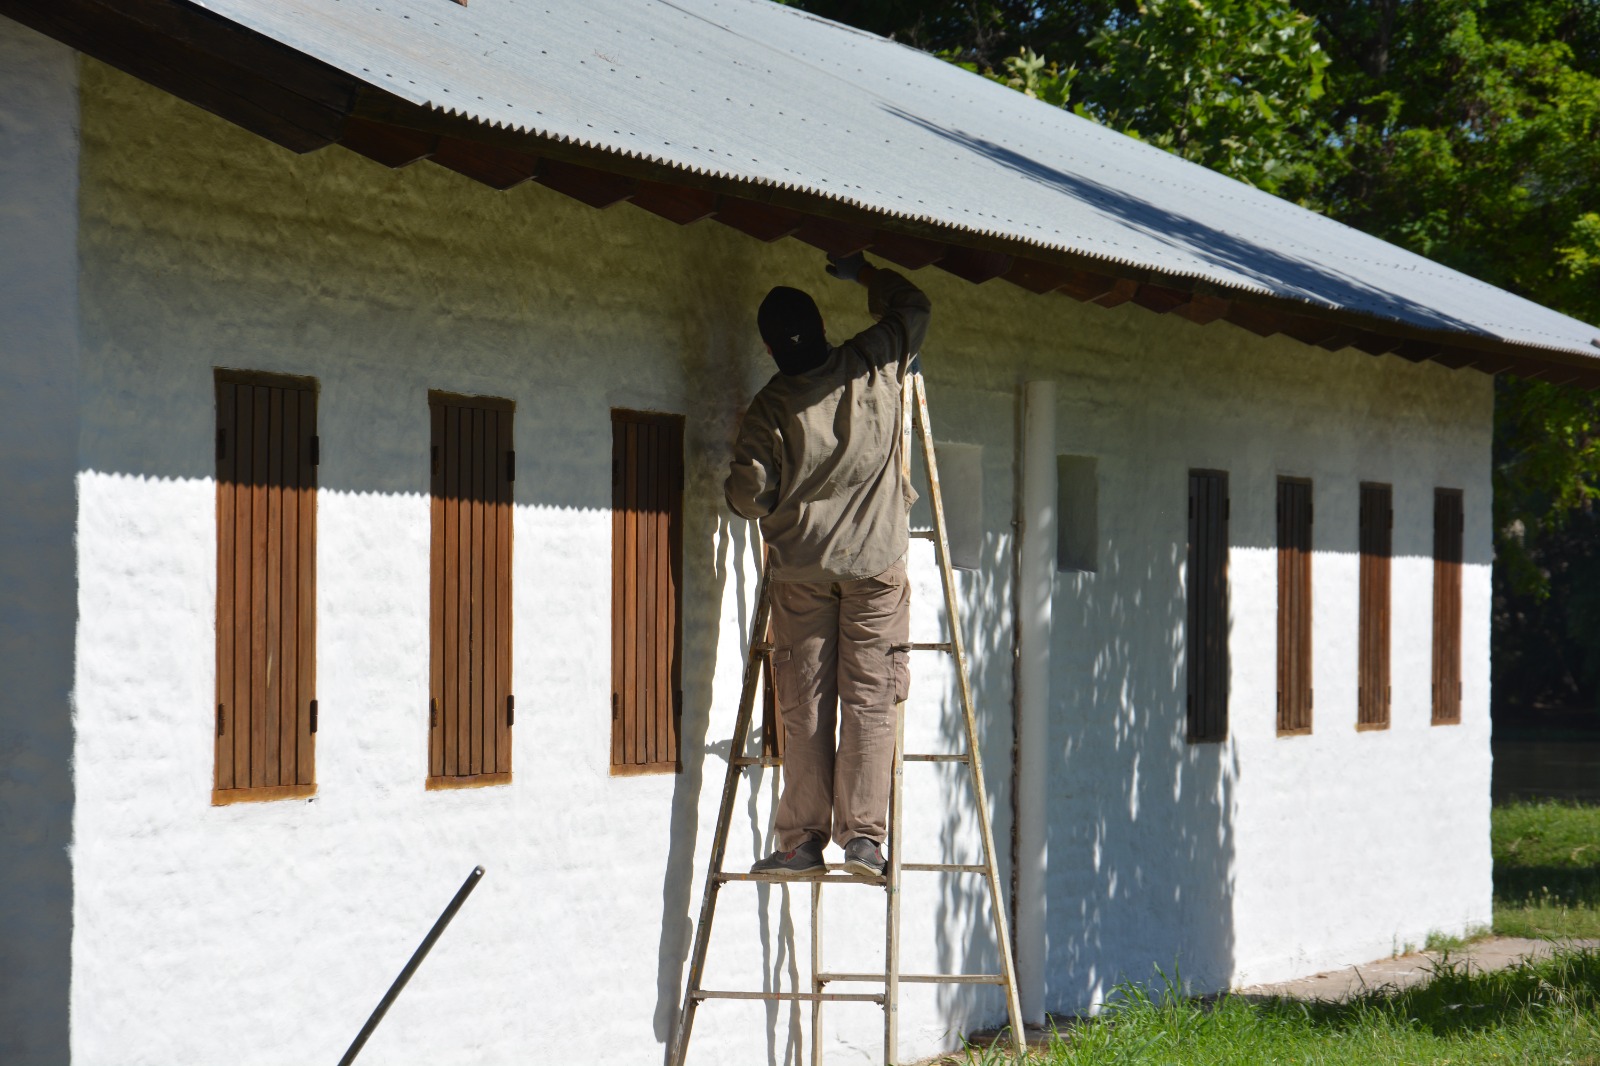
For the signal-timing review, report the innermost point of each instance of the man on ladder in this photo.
(818, 462)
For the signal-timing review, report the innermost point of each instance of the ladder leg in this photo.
(816, 968)
(891, 936)
(719, 842)
(975, 760)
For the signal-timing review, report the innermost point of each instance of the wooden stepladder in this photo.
(914, 407)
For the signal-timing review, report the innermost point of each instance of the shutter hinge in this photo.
(616, 711)
(433, 714)
(220, 720)
(511, 465)
(511, 710)
(313, 716)
(1388, 695)
(222, 443)
(316, 450)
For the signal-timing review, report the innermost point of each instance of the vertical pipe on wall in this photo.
(1035, 585)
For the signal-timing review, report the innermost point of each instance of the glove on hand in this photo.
(847, 267)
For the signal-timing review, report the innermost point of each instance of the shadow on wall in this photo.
(1141, 827)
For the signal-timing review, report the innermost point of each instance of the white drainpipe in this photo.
(1035, 584)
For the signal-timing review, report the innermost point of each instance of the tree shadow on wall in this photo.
(1141, 821)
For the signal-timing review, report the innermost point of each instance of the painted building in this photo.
(1222, 507)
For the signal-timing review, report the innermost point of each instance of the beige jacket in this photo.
(818, 454)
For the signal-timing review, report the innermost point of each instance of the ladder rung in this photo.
(934, 758)
(794, 997)
(758, 760)
(761, 647)
(921, 534)
(944, 868)
(920, 978)
(940, 646)
(835, 874)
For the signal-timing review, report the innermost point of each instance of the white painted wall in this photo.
(265, 932)
(38, 457)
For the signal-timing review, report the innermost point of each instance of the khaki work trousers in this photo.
(839, 664)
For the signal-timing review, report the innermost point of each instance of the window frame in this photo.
(258, 636)
(646, 593)
(1206, 622)
(1374, 627)
(1296, 521)
(1448, 555)
(470, 535)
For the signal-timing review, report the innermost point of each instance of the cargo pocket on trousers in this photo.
(783, 679)
(900, 664)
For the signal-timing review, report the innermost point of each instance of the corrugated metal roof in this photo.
(755, 92)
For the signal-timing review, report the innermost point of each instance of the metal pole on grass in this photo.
(411, 967)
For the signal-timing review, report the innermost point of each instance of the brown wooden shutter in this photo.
(646, 576)
(1206, 639)
(1294, 606)
(1449, 523)
(266, 586)
(1376, 537)
(470, 708)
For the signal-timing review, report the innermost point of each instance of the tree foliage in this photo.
(1465, 130)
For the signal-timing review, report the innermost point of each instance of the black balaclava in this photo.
(792, 326)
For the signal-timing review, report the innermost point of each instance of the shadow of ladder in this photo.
(914, 409)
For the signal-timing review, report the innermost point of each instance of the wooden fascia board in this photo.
(250, 80)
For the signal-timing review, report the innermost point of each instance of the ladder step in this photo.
(944, 868)
(836, 873)
(934, 758)
(794, 997)
(921, 534)
(758, 760)
(920, 978)
(940, 646)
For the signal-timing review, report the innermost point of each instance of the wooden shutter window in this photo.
(1449, 524)
(266, 705)
(646, 579)
(1206, 580)
(1372, 670)
(1294, 606)
(470, 704)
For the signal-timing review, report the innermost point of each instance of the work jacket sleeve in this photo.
(752, 485)
(902, 312)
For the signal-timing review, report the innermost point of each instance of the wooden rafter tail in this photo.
(762, 221)
(392, 146)
(912, 253)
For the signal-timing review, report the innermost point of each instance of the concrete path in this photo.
(1491, 953)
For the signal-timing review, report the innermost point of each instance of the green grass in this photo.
(1547, 870)
(1546, 1013)
(1543, 1013)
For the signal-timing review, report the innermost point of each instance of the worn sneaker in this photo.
(863, 856)
(805, 858)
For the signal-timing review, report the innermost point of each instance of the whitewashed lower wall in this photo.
(265, 932)
(38, 599)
